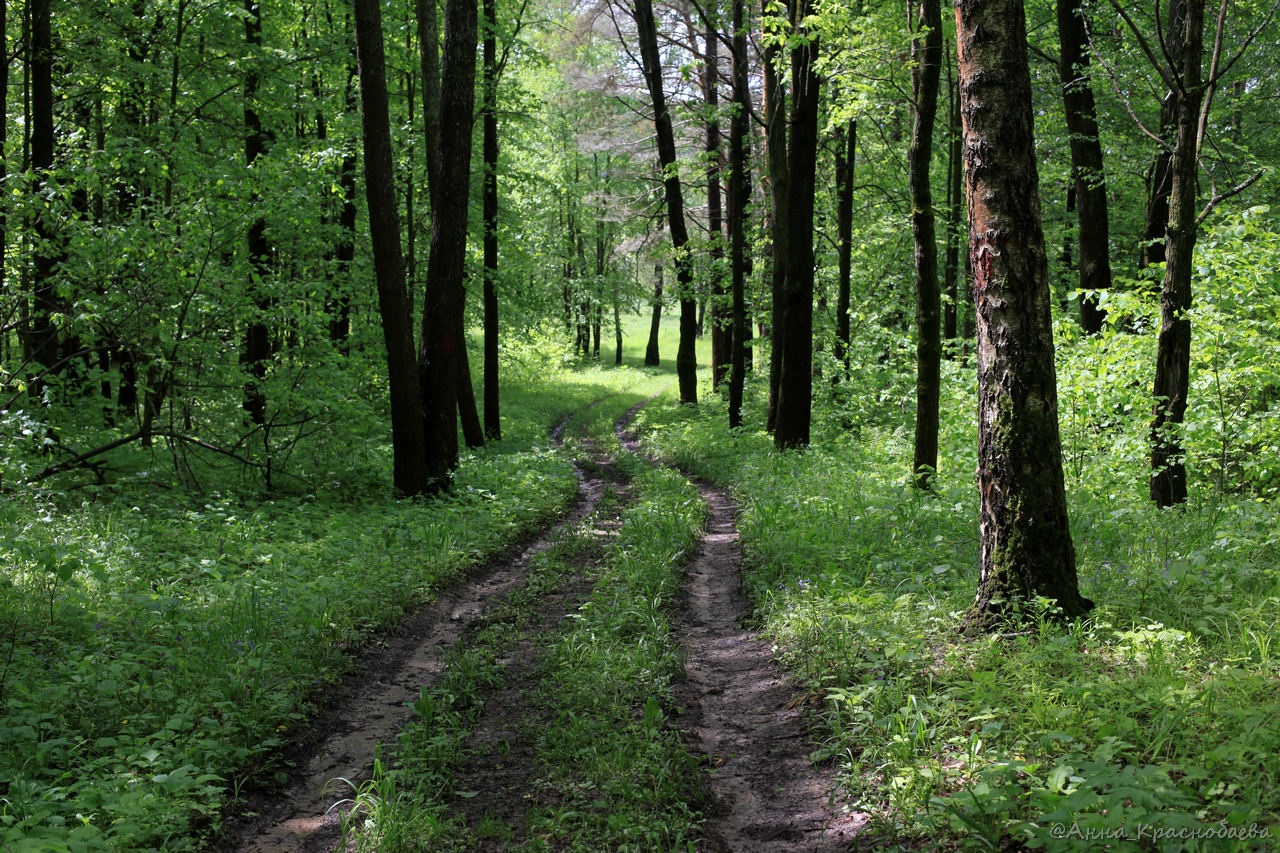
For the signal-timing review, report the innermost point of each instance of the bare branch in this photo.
(1161, 68)
(1223, 196)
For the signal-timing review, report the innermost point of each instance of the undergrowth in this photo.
(1152, 725)
(611, 774)
(160, 640)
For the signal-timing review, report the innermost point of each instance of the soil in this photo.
(370, 705)
(738, 708)
(742, 712)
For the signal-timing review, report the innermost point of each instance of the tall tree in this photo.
(720, 323)
(1173, 349)
(445, 296)
(489, 112)
(686, 357)
(42, 343)
(256, 348)
(845, 162)
(1159, 174)
(795, 378)
(1086, 162)
(775, 142)
(926, 49)
(1025, 541)
(739, 196)
(407, 440)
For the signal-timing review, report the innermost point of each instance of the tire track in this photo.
(766, 795)
(371, 705)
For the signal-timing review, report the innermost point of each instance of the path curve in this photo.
(371, 705)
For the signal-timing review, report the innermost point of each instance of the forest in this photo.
(584, 425)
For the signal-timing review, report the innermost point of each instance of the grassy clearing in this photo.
(158, 642)
(1156, 723)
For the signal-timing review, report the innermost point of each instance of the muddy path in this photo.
(741, 711)
(503, 760)
(370, 706)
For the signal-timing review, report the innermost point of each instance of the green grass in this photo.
(1161, 710)
(159, 641)
(611, 775)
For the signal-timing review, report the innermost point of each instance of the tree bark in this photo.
(1086, 163)
(492, 416)
(686, 357)
(795, 380)
(721, 329)
(429, 59)
(651, 358)
(42, 343)
(739, 195)
(775, 141)
(256, 349)
(1160, 176)
(845, 160)
(408, 445)
(955, 180)
(1025, 540)
(1173, 349)
(468, 414)
(445, 294)
(926, 70)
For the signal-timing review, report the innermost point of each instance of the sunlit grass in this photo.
(1160, 709)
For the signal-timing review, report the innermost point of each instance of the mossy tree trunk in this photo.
(1025, 541)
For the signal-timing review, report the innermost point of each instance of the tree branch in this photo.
(1223, 196)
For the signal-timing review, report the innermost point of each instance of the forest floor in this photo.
(735, 709)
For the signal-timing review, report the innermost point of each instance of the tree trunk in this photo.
(1173, 350)
(42, 343)
(492, 418)
(1086, 163)
(256, 349)
(925, 73)
(468, 414)
(617, 323)
(795, 380)
(1025, 540)
(955, 180)
(775, 141)
(845, 159)
(686, 356)
(721, 329)
(408, 446)
(739, 195)
(445, 294)
(1160, 176)
(429, 59)
(651, 349)
(345, 252)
